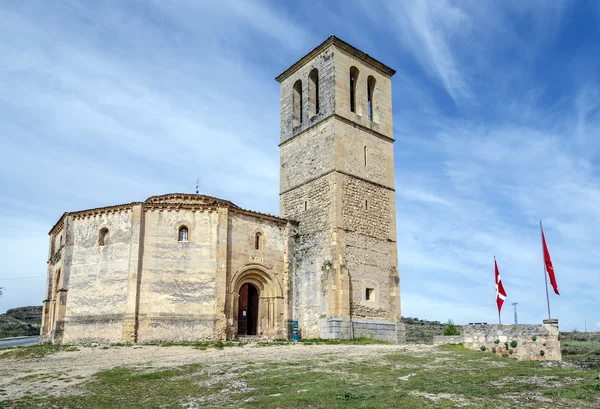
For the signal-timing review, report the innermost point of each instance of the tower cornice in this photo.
(345, 120)
(343, 45)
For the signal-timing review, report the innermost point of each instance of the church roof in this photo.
(343, 45)
(190, 198)
(172, 200)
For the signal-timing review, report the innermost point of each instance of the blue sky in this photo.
(496, 120)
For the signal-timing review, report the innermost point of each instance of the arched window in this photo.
(257, 241)
(366, 153)
(370, 93)
(297, 103)
(183, 234)
(313, 93)
(353, 82)
(103, 237)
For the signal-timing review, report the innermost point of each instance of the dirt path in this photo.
(55, 373)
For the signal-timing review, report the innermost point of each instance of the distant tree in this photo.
(451, 329)
(1, 288)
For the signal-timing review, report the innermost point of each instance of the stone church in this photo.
(183, 267)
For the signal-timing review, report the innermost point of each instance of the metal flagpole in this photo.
(545, 273)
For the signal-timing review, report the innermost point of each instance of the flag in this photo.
(500, 293)
(548, 263)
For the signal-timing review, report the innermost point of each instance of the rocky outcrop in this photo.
(23, 321)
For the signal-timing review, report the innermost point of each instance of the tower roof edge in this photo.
(342, 44)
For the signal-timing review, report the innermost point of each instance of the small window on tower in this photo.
(370, 93)
(183, 234)
(297, 102)
(305, 205)
(313, 93)
(369, 294)
(257, 241)
(103, 237)
(366, 205)
(353, 81)
(366, 156)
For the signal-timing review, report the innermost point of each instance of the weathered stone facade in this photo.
(337, 180)
(143, 283)
(124, 274)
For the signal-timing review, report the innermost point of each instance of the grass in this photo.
(576, 350)
(446, 377)
(34, 351)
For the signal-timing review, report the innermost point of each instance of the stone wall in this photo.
(312, 205)
(143, 284)
(308, 156)
(365, 208)
(337, 181)
(522, 341)
(95, 277)
(177, 283)
(344, 328)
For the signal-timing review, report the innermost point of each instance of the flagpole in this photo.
(545, 273)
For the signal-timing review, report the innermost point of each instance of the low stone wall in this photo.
(447, 339)
(523, 341)
(343, 328)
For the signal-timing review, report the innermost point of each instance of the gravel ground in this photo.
(57, 373)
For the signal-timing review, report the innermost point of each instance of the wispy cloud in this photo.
(496, 120)
(426, 29)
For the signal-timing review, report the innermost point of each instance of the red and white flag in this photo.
(549, 267)
(500, 293)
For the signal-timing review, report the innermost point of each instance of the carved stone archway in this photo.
(270, 321)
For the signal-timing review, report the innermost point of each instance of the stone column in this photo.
(222, 274)
(61, 306)
(43, 329)
(136, 254)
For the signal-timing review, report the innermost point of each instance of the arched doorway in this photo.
(248, 310)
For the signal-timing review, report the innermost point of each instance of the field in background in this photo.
(576, 346)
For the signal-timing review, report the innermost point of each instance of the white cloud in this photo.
(425, 28)
(144, 100)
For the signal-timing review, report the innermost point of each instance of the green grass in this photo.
(33, 351)
(446, 377)
(576, 350)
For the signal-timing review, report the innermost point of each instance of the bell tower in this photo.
(337, 180)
